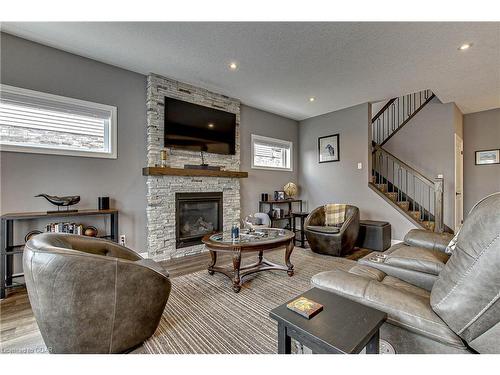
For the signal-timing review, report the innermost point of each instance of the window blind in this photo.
(32, 119)
(269, 153)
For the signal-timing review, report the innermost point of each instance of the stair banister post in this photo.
(438, 204)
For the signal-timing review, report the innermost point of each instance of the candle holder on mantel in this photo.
(163, 158)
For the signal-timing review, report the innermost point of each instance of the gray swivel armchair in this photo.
(90, 295)
(332, 240)
(461, 313)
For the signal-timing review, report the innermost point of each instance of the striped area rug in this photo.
(204, 315)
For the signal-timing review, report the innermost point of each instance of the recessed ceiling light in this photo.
(233, 66)
(465, 46)
(312, 99)
(210, 125)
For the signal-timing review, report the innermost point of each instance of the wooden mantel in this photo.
(162, 171)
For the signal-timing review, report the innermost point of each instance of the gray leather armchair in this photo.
(331, 240)
(418, 259)
(90, 295)
(461, 313)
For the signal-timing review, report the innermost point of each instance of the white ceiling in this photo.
(282, 64)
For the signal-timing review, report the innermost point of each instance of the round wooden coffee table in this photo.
(259, 241)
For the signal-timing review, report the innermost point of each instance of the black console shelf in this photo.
(8, 249)
(288, 216)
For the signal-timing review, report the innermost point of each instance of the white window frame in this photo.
(285, 143)
(112, 128)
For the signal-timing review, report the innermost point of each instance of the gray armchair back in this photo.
(90, 295)
(467, 293)
(336, 244)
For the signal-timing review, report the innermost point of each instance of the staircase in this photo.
(414, 195)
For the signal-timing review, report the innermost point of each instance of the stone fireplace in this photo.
(162, 191)
(196, 214)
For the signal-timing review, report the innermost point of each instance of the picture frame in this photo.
(279, 195)
(329, 148)
(487, 157)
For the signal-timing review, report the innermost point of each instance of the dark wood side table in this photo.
(8, 249)
(302, 216)
(343, 327)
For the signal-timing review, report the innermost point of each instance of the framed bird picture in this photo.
(329, 148)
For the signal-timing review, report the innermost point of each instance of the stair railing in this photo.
(424, 196)
(396, 113)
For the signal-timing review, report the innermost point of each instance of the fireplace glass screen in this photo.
(197, 214)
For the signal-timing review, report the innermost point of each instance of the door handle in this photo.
(458, 193)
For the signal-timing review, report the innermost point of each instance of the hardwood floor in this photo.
(19, 332)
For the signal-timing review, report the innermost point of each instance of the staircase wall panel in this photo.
(341, 181)
(427, 144)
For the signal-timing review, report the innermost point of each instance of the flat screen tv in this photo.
(194, 127)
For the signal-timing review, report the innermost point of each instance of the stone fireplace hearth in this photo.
(162, 209)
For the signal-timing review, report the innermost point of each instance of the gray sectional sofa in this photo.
(435, 303)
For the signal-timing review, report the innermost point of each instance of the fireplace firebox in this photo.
(196, 214)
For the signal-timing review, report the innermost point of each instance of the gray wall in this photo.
(427, 144)
(254, 121)
(342, 182)
(33, 66)
(37, 67)
(481, 132)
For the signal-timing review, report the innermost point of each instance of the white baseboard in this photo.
(394, 242)
(144, 255)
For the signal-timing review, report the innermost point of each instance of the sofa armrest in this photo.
(315, 218)
(428, 240)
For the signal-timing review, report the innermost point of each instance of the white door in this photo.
(459, 182)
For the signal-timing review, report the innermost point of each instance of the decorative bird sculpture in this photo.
(61, 201)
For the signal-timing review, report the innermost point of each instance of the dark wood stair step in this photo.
(429, 225)
(415, 215)
(405, 205)
(393, 196)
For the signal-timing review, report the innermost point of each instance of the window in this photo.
(271, 153)
(32, 121)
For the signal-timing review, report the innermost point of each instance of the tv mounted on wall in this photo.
(194, 127)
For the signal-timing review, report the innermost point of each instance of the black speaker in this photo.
(103, 203)
(264, 197)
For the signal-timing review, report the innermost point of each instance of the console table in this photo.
(8, 249)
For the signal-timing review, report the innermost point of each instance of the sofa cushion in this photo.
(407, 306)
(420, 279)
(416, 258)
(323, 229)
(334, 214)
